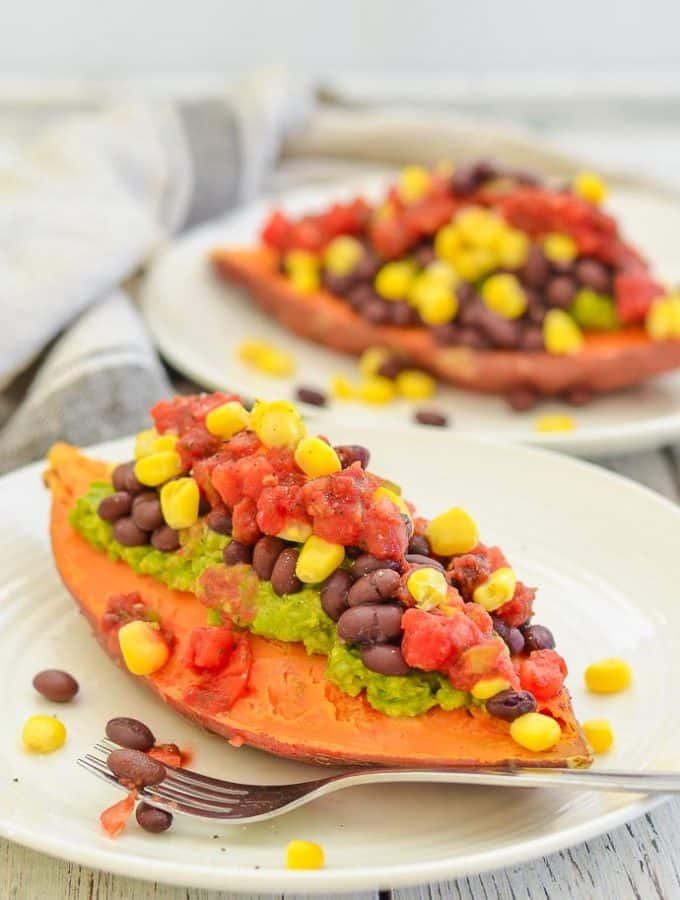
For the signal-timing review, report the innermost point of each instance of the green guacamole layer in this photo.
(293, 618)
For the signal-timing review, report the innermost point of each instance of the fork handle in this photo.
(611, 780)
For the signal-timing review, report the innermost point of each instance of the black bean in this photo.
(376, 623)
(376, 310)
(235, 552)
(152, 819)
(579, 396)
(265, 553)
(419, 544)
(424, 255)
(532, 339)
(386, 659)
(402, 314)
(393, 366)
(485, 170)
(124, 478)
(536, 270)
(56, 685)
(537, 637)
(593, 274)
(473, 338)
(203, 505)
(147, 513)
(351, 453)
(367, 268)
(127, 533)
(366, 563)
(464, 181)
(340, 285)
(135, 767)
(165, 538)
(446, 334)
(334, 593)
(311, 395)
(521, 398)
(284, 580)
(420, 559)
(502, 332)
(431, 417)
(510, 705)
(360, 295)
(513, 637)
(377, 585)
(219, 520)
(561, 291)
(130, 733)
(115, 506)
(352, 552)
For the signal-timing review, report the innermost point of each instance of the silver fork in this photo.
(193, 794)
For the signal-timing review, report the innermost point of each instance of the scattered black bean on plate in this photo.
(431, 417)
(152, 819)
(56, 685)
(311, 395)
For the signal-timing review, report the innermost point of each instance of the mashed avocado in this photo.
(394, 695)
(293, 618)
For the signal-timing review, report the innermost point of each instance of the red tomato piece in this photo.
(115, 818)
(309, 234)
(195, 444)
(218, 693)
(182, 413)
(277, 231)
(210, 648)
(432, 642)
(634, 293)
(518, 610)
(487, 659)
(543, 673)
(244, 521)
(168, 754)
(279, 506)
(391, 237)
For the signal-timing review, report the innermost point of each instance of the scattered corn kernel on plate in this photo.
(608, 587)
(214, 333)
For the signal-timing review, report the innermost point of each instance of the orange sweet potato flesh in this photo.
(290, 708)
(607, 362)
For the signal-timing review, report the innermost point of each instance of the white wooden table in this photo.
(640, 860)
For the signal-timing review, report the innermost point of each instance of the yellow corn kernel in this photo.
(300, 260)
(535, 731)
(316, 458)
(440, 270)
(474, 263)
(277, 424)
(393, 281)
(43, 734)
(599, 734)
(414, 183)
(489, 687)
(266, 357)
(227, 420)
(497, 590)
(428, 587)
(415, 385)
(479, 227)
(298, 532)
(451, 532)
(180, 500)
(554, 423)
(590, 187)
(448, 241)
(305, 281)
(342, 388)
(398, 500)
(342, 255)
(608, 676)
(304, 855)
(318, 559)
(371, 360)
(513, 248)
(144, 443)
(435, 301)
(376, 390)
(158, 468)
(561, 334)
(504, 295)
(560, 248)
(663, 319)
(143, 648)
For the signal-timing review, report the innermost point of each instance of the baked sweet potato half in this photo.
(272, 694)
(491, 280)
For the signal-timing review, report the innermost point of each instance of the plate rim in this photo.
(247, 878)
(586, 441)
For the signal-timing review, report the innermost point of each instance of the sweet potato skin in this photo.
(608, 361)
(290, 708)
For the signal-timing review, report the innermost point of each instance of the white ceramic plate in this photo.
(604, 552)
(198, 322)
